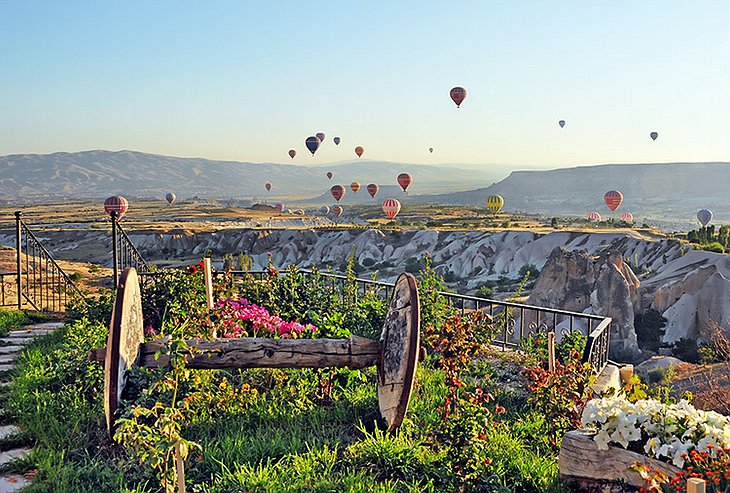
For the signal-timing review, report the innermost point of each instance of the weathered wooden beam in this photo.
(353, 352)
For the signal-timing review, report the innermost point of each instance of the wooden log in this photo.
(580, 458)
(696, 485)
(354, 352)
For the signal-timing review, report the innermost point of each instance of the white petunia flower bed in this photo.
(662, 431)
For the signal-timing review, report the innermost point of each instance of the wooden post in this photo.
(626, 372)
(696, 485)
(18, 265)
(208, 277)
(180, 469)
(551, 351)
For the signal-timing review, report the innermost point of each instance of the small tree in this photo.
(649, 327)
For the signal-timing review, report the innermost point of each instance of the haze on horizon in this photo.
(247, 81)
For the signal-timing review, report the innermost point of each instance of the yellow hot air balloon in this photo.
(495, 203)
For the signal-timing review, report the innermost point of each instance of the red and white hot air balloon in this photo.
(116, 204)
(458, 95)
(627, 217)
(373, 189)
(404, 180)
(593, 216)
(613, 199)
(337, 210)
(355, 186)
(337, 191)
(279, 207)
(391, 207)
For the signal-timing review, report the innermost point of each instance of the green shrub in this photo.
(649, 328)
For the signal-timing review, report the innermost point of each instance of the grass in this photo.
(12, 319)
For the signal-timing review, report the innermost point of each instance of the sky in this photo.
(248, 81)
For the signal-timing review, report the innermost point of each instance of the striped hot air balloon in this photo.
(613, 199)
(391, 207)
(458, 95)
(373, 189)
(116, 204)
(355, 186)
(337, 210)
(627, 217)
(495, 203)
(593, 216)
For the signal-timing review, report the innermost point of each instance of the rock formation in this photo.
(602, 284)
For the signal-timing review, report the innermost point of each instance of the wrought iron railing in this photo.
(127, 254)
(42, 283)
(515, 321)
(8, 285)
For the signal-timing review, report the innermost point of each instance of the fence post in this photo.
(18, 248)
(696, 485)
(115, 254)
(551, 351)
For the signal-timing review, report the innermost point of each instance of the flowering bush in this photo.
(665, 431)
(239, 318)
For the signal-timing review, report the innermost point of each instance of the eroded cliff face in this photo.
(581, 271)
(600, 284)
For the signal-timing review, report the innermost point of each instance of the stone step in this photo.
(7, 358)
(45, 325)
(14, 341)
(14, 454)
(22, 333)
(7, 367)
(8, 430)
(10, 349)
(12, 483)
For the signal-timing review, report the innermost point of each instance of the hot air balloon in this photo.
(337, 191)
(299, 212)
(268, 187)
(373, 189)
(355, 186)
(330, 175)
(627, 217)
(312, 144)
(494, 203)
(430, 149)
(458, 95)
(170, 197)
(117, 204)
(359, 150)
(391, 207)
(653, 135)
(337, 141)
(613, 199)
(325, 210)
(292, 153)
(320, 136)
(704, 216)
(279, 207)
(561, 123)
(593, 216)
(337, 210)
(404, 180)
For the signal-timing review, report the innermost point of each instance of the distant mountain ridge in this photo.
(98, 173)
(663, 192)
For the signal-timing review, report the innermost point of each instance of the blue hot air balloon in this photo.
(704, 216)
(312, 144)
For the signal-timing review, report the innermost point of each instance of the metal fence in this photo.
(515, 321)
(8, 285)
(41, 283)
(124, 253)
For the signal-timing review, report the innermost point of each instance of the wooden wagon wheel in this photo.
(126, 333)
(400, 350)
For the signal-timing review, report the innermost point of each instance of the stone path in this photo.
(10, 347)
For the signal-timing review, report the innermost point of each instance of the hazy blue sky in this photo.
(249, 80)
